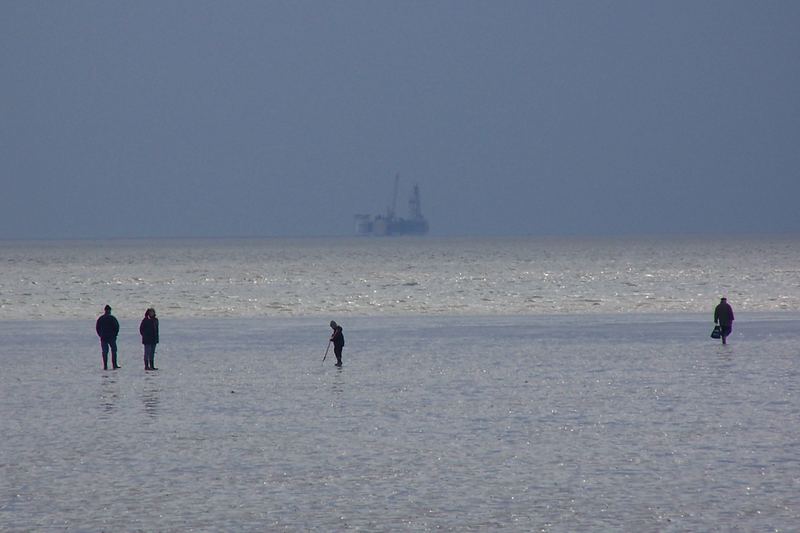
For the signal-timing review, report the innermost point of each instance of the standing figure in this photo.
(337, 338)
(149, 331)
(723, 315)
(107, 329)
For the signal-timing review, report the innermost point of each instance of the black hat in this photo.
(108, 308)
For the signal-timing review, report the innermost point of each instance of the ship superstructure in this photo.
(391, 224)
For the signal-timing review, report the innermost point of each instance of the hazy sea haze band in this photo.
(400, 276)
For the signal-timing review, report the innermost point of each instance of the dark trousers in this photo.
(337, 351)
(149, 356)
(105, 344)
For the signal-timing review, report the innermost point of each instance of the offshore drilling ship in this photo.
(390, 224)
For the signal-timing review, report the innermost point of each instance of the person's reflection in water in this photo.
(337, 386)
(151, 398)
(109, 394)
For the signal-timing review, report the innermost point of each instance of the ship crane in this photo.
(414, 205)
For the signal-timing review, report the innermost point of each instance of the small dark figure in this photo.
(149, 331)
(337, 338)
(723, 315)
(107, 329)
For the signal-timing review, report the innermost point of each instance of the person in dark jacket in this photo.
(337, 338)
(149, 331)
(107, 329)
(723, 315)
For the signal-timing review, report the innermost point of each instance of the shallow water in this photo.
(550, 423)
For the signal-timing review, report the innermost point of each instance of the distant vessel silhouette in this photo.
(390, 224)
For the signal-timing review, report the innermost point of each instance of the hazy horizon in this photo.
(269, 119)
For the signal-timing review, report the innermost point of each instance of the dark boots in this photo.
(149, 361)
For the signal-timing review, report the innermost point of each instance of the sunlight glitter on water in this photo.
(365, 277)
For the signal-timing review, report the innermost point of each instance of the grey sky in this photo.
(195, 118)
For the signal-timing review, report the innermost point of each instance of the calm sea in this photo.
(489, 384)
(388, 277)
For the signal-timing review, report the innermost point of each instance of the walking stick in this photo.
(326, 351)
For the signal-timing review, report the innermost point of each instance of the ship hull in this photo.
(383, 227)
